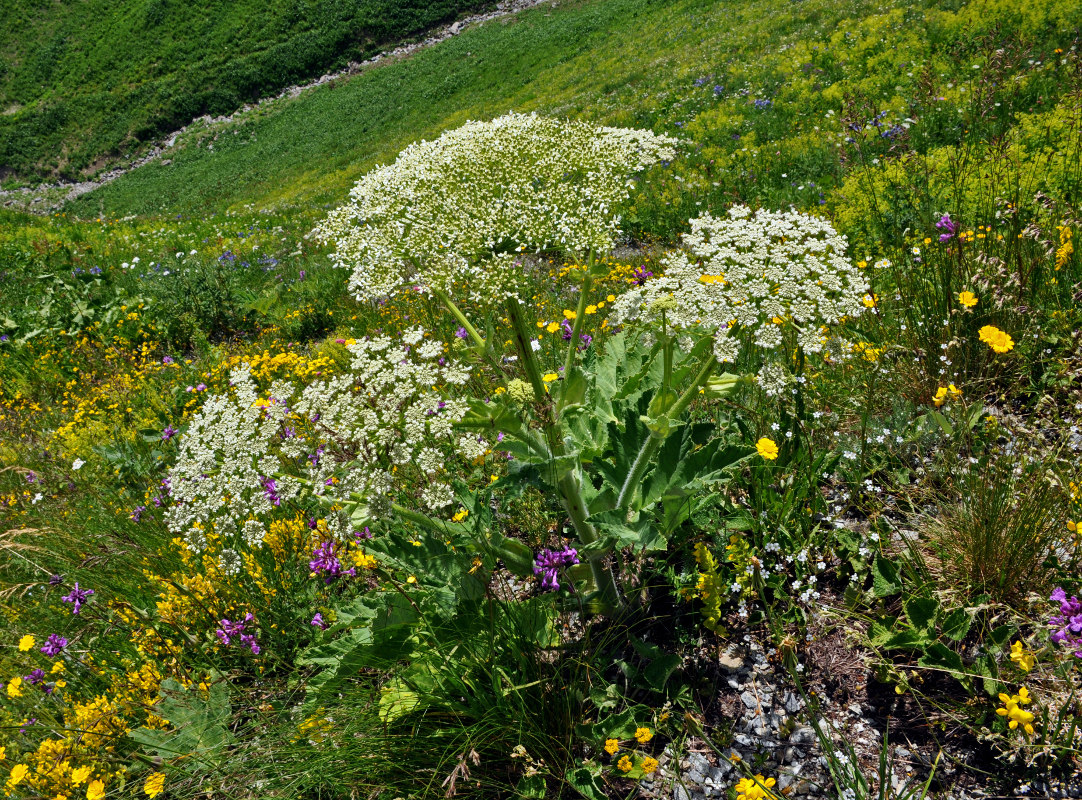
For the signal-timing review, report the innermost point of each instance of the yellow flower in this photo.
(649, 765)
(1023, 659)
(968, 299)
(15, 687)
(95, 791)
(869, 300)
(552, 327)
(3, 753)
(767, 449)
(611, 746)
(18, 772)
(549, 377)
(155, 784)
(996, 339)
(643, 735)
(80, 775)
(1012, 710)
(624, 764)
(461, 515)
(569, 314)
(26, 643)
(753, 788)
(591, 309)
(611, 298)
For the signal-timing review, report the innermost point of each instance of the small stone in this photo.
(750, 700)
(792, 702)
(789, 754)
(730, 662)
(680, 793)
(802, 735)
(854, 709)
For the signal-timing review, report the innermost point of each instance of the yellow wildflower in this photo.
(753, 788)
(1012, 709)
(18, 772)
(649, 765)
(26, 643)
(1025, 660)
(643, 735)
(15, 687)
(767, 449)
(591, 309)
(552, 327)
(155, 784)
(611, 298)
(611, 746)
(624, 764)
(95, 791)
(569, 314)
(996, 339)
(80, 775)
(968, 299)
(549, 377)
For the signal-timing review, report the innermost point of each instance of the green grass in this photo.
(82, 83)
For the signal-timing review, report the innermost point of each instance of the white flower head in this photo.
(461, 209)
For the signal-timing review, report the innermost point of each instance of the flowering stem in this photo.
(568, 483)
(655, 440)
(580, 314)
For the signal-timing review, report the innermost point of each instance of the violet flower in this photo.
(77, 597)
(1068, 623)
(948, 226)
(548, 562)
(54, 645)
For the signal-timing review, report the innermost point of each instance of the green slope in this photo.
(778, 100)
(82, 81)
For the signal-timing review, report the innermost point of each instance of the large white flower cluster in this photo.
(756, 272)
(451, 214)
(380, 427)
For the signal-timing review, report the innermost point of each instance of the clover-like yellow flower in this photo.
(155, 784)
(26, 643)
(624, 764)
(767, 448)
(611, 746)
(968, 299)
(1020, 656)
(753, 788)
(1013, 711)
(643, 735)
(649, 765)
(996, 339)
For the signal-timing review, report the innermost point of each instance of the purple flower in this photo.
(235, 630)
(1068, 623)
(95, 270)
(317, 622)
(763, 104)
(35, 677)
(566, 330)
(54, 645)
(201, 387)
(168, 433)
(77, 597)
(302, 275)
(325, 561)
(461, 333)
(31, 477)
(56, 580)
(547, 563)
(270, 490)
(167, 360)
(137, 513)
(587, 340)
(948, 226)
(641, 274)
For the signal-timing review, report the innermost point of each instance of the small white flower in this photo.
(77, 463)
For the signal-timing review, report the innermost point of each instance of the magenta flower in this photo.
(317, 622)
(1068, 623)
(54, 645)
(948, 227)
(236, 630)
(77, 597)
(548, 562)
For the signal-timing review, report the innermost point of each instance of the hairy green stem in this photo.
(580, 313)
(568, 484)
(655, 440)
(465, 323)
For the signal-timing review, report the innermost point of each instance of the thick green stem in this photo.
(580, 314)
(655, 440)
(568, 485)
(465, 323)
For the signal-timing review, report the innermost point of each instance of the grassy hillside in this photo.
(83, 82)
(776, 100)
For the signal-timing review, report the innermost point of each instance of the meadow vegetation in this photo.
(364, 450)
